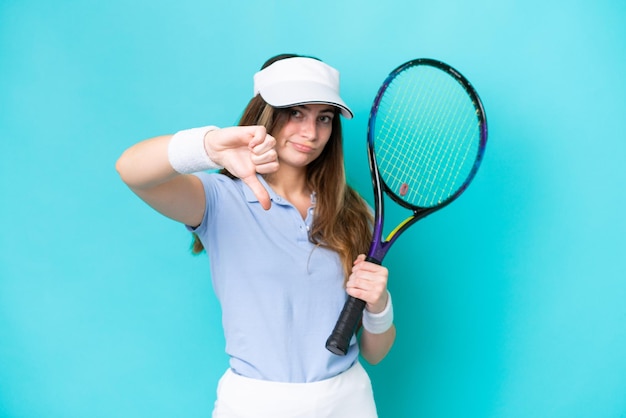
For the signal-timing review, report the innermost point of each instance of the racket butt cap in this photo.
(334, 348)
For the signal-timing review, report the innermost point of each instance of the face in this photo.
(305, 134)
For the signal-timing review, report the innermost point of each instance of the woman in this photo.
(285, 235)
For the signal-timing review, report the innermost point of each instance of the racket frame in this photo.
(338, 342)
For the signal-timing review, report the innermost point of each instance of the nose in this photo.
(308, 128)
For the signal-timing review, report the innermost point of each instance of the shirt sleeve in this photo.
(210, 199)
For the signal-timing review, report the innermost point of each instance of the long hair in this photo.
(342, 220)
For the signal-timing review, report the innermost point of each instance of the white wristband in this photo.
(377, 323)
(186, 151)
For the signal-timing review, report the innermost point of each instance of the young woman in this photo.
(285, 235)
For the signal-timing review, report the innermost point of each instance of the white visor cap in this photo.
(296, 81)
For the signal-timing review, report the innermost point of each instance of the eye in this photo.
(295, 113)
(326, 119)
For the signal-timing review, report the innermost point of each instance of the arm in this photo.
(146, 169)
(375, 347)
(368, 282)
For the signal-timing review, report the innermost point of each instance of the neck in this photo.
(289, 182)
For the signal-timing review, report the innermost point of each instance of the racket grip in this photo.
(339, 340)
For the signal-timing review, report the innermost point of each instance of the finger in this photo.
(359, 259)
(372, 292)
(259, 191)
(363, 281)
(265, 163)
(267, 143)
(367, 266)
(374, 299)
(259, 136)
(268, 168)
(375, 281)
(264, 158)
(357, 293)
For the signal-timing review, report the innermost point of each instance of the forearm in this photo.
(378, 333)
(374, 347)
(145, 164)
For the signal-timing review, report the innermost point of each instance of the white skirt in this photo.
(346, 395)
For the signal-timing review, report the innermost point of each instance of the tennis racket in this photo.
(426, 138)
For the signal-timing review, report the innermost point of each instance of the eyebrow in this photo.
(329, 109)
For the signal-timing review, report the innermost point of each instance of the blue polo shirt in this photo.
(280, 294)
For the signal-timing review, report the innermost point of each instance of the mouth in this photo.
(302, 147)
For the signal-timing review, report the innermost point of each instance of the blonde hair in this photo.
(342, 220)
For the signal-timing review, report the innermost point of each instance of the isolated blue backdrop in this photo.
(511, 303)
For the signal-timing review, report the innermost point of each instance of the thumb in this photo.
(259, 191)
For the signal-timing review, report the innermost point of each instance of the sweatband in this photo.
(186, 151)
(377, 323)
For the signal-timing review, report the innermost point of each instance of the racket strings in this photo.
(456, 151)
(428, 157)
(427, 136)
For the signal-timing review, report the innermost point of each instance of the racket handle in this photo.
(339, 340)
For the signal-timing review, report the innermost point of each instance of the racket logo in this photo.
(404, 189)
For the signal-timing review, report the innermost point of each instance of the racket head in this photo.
(427, 134)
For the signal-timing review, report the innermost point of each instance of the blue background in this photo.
(510, 303)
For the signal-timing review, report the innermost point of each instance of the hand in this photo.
(368, 282)
(244, 151)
